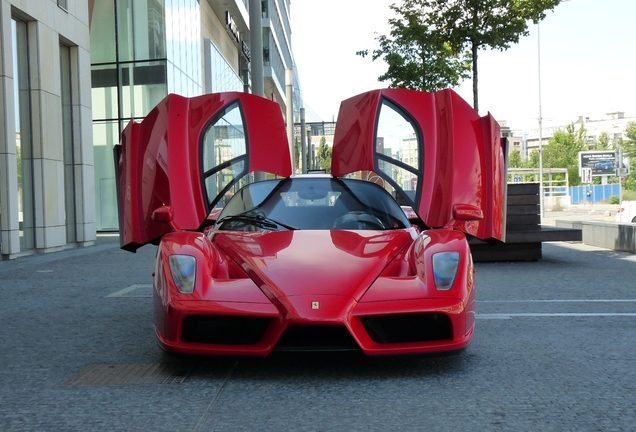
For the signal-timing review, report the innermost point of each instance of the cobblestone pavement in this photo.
(553, 351)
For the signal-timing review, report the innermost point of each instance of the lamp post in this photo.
(541, 193)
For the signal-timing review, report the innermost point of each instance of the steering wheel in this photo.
(358, 220)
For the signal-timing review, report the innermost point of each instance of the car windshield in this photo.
(311, 203)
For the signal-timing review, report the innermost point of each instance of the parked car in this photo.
(604, 165)
(626, 212)
(312, 261)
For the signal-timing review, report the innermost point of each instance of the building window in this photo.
(24, 142)
(62, 4)
(220, 75)
(141, 30)
(265, 8)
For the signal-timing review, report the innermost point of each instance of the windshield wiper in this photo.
(259, 220)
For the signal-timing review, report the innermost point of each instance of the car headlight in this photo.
(184, 270)
(445, 269)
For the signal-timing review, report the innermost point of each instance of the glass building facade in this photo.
(141, 50)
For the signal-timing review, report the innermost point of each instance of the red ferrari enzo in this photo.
(373, 257)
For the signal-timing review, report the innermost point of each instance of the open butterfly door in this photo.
(188, 156)
(437, 153)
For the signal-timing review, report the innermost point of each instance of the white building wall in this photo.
(614, 125)
(47, 25)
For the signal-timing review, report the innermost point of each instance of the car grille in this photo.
(224, 330)
(405, 328)
(316, 338)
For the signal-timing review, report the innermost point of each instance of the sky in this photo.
(587, 52)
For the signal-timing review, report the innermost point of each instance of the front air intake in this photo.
(405, 328)
(316, 338)
(224, 330)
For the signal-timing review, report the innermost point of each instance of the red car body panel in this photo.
(359, 287)
(159, 161)
(283, 281)
(463, 155)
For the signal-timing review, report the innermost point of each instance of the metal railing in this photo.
(555, 180)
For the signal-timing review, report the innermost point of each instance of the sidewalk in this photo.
(582, 212)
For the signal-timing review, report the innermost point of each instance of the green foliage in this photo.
(471, 25)
(629, 195)
(563, 150)
(602, 142)
(629, 143)
(533, 159)
(323, 153)
(614, 199)
(514, 159)
(19, 159)
(417, 55)
(297, 152)
(435, 43)
(630, 181)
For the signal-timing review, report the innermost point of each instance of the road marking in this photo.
(128, 292)
(549, 315)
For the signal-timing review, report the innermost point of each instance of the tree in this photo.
(629, 144)
(514, 159)
(602, 142)
(629, 151)
(324, 154)
(563, 150)
(417, 55)
(533, 159)
(452, 31)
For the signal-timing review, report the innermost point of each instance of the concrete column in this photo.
(256, 48)
(289, 93)
(303, 143)
(83, 147)
(256, 52)
(47, 137)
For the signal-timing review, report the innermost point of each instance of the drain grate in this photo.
(138, 373)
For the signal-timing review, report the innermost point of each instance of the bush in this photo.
(629, 195)
(614, 199)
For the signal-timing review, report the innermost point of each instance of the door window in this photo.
(224, 155)
(397, 150)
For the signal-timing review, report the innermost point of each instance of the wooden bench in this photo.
(524, 232)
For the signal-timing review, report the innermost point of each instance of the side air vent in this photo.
(405, 328)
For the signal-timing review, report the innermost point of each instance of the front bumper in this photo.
(320, 323)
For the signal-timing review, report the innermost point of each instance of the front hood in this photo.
(296, 263)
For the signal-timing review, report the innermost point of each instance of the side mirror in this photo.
(163, 214)
(467, 212)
